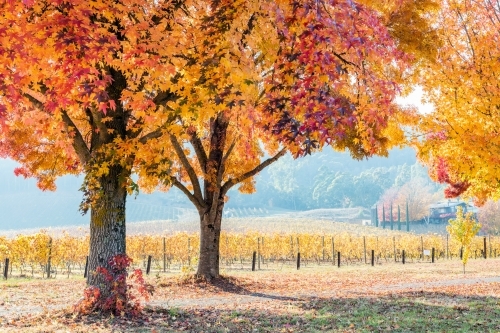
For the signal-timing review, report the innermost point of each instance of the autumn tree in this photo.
(417, 193)
(463, 229)
(277, 77)
(489, 217)
(199, 94)
(461, 137)
(83, 86)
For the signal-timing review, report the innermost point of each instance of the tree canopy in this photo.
(192, 94)
(461, 137)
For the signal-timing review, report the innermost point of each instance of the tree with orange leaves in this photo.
(192, 94)
(461, 137)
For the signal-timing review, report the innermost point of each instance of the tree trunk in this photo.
(107, 225)
(208, 264)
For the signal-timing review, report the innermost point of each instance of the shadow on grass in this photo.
(399, 312)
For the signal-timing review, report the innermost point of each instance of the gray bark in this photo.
(107, 226)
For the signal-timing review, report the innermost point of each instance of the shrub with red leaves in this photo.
(124, 290)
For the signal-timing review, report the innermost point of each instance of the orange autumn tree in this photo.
(193, 93)
(462, 134)
(83, 85)
(277, 77)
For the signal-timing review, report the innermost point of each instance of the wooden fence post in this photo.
(403, 257)
(48, 259)
(433, 255)
(85, 273)
(484, 252)
(298, 261)
(148, 267)
(338, 259)
(254, 257)
(373, 257)
(6, 268)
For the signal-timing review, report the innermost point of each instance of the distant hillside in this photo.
(288, 185)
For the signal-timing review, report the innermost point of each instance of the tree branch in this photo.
(192, 174)
(200, 205)
(200, 151)
(152, 135)
(81, 148)
(233, 181)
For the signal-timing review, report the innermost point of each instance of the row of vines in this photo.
(29, 254)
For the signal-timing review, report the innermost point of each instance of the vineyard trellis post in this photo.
(484, 247)
(148, 267)
(6, 268)
(433, 255)
(373, 257)
(298, 260)
(254, 257)
(85, 272)
(338, 259)
(403, 257)
(49, 257)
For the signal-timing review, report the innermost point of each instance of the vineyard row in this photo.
(30, 253)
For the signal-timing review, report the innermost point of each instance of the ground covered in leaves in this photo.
(417, 297)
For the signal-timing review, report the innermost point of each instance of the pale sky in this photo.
(415, 98)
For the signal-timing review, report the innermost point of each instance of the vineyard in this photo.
(30, 255)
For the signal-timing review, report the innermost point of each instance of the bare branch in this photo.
(189, 168)
(151, 135)
(233, 181)
(200, 205)
(200, 151)
(81, 148)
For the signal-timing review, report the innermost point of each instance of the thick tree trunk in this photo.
(107, 225)
(208, 264)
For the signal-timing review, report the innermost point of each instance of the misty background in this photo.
(323, 180)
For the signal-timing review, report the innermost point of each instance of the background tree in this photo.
(489, 217)
(461, 137)
(463, 229)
